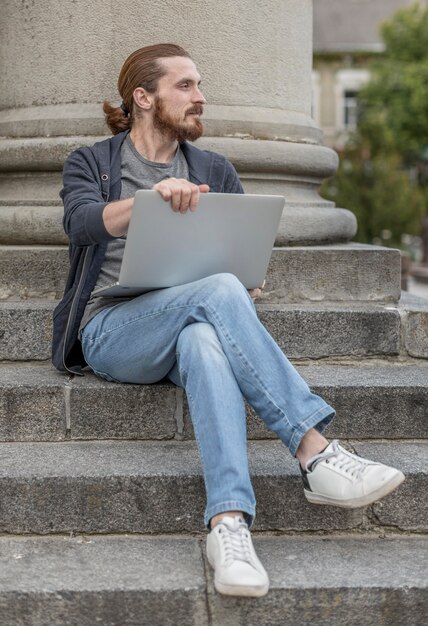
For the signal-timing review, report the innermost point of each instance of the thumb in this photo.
(204, 188)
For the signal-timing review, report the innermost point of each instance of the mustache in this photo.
(197, 108)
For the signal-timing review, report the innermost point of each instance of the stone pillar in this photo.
(61, 60)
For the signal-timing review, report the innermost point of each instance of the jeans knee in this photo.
(198, 336)
(199, 350)
(226, 286)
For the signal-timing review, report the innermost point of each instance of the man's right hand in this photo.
(183, 194)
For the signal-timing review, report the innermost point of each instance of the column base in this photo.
(30, 173)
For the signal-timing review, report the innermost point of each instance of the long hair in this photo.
(141, 69)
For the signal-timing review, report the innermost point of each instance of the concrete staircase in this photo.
(101, 491)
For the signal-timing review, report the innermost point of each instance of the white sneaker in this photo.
(230, 551)
(339, 478)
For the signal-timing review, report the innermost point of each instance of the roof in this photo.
(351, 25)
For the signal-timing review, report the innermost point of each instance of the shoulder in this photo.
(206, 166)
(193, 153)
(99, 152)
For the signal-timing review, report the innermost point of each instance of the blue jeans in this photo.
(206, 337)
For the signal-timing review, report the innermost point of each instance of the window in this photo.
(348, 84)
(350, 106)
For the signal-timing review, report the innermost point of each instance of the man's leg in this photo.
(136, 341)
(218, 415)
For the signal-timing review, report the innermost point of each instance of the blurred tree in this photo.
(394, 105)
(386, 202)
(383, 173)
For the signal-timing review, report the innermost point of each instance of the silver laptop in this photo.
(227, 233)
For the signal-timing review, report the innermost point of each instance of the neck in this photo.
(151, 144)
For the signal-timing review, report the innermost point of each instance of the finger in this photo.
(175, 198)
(194, 199)
(204, 188)
(164, 191)
(186, 194)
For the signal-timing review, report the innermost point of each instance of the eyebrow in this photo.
(188, 80)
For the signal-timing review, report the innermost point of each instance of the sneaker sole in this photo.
(238, 590)
(249, 592)
(355, 503)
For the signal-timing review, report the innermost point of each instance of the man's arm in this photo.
(83, 200)
(116, 216)
(90, 219)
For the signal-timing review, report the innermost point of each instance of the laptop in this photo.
(231, 233)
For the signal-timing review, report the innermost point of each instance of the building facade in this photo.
(346, 38)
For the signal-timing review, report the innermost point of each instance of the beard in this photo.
(174, 128)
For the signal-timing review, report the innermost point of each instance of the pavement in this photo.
(417, 288)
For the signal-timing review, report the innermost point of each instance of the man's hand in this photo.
(256, 293)
(183, 194)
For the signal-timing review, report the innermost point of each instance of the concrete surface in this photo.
(373, 399)
(307, 330)
(257, 103)
(328, 581)
(130, 580)
(415, 315)
(103, 487)
(26, 330)
(338, 273)
(102, 580)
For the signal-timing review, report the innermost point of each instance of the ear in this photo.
(143, 99)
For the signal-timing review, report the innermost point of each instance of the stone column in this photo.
(61, 60)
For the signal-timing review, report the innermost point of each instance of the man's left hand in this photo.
(256, 293)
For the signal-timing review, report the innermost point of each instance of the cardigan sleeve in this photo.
(83, 200)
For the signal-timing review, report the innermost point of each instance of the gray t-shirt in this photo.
(136, 173)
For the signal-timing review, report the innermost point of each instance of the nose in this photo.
(199, 96)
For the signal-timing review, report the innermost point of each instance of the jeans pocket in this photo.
(89, 348)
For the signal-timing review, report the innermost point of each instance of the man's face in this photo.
(178, 102)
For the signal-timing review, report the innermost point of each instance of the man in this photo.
(204, 336)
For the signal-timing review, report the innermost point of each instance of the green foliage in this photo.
(382, 177)
(380, 194)
(394, 108)
(406, 34)
(394, 105)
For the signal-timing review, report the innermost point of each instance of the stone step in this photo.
(343, 273)
(414, 312)
(308, 331)
(33, 272)
(374, 399)
(38, 223)
(314, 331)
(26, 330)
(165, 581)
(155, 487)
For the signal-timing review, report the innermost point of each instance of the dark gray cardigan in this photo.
(92, 179)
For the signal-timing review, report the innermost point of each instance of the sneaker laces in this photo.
(342, 459)
(236, 540)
